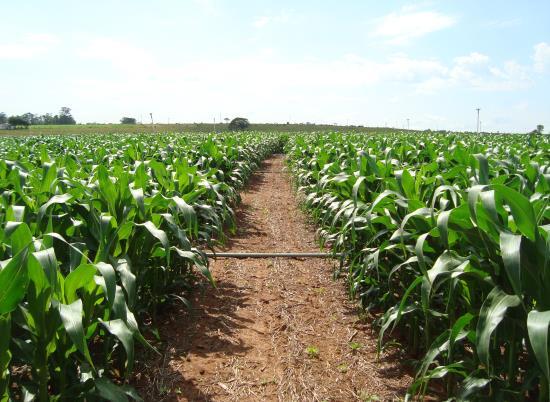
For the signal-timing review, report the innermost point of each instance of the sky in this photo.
(373, 63)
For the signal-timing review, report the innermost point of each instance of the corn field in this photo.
(447, 240)
(446, 244)
(97, 233)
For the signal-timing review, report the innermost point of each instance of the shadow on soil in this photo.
(204, 330)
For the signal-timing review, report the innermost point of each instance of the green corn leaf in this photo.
(5, 356)
(120, 330)
(139, 198)
(77, 279)
(160, 235)
(47, 260)
(443, 226)
(15, 213)
(71, 246)
(20, 239)
(195, 259)
(109, 276)
(355, 189)
(443, 266)
(440, 344)
(522, 210)
(56, 199)
(116, 393)
(128, 280)
(470, 386)
(491, 314)
(510, 248)
(107, 188)
(50, 174)
(188, 213)
(483, 173)
(538, 323)
(14, 278)
(458, 326)
(71, 317)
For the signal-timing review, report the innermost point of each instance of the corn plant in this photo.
(447, 239)
(97, 234)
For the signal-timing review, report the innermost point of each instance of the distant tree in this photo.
(65, 116)
(18, 121)
(127, 120)
(32, 119)
(226, 120)
(3, 118)
(239, 124)
(538, 130)
(48, 118)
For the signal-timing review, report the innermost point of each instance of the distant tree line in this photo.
(128, 120)
(24, 120)
(239, 124)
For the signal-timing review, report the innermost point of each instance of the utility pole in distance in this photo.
(408, 126)
(151, 114)
(477, 125)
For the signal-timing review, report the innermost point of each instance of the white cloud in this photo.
(123, 55)
(313, 89)
(209, 7)
(262, 73)
(472, 58)
(261, 22)
(29, 47)
(402, 27)
(500, 24)
(474, 71)
(264, 20)
(541, 57)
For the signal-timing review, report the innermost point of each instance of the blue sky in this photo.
(357, 62)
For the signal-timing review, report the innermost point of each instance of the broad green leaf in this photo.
(109, 275)
(115, 393)
(71, 317)
(80, 277)
(522, 210)
(491, 314)
(48, 262)
(470, 386)
(14, 278)
(538, 323)
(510, 249)
(5, 355)
(119, 329)
(20, 238)
(128, 280)
(56, 199)
(195, 259)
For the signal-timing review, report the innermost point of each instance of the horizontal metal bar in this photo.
(273, 255)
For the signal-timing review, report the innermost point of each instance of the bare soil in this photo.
(273, 329)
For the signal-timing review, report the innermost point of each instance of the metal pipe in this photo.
(273, 255)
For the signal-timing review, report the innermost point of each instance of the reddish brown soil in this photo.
(248, 339)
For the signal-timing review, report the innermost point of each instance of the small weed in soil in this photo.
(312, 352)
(355, 346)
(343, 368)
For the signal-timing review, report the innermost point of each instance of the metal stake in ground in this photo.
(273, 255)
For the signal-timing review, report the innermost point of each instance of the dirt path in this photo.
(274, 329)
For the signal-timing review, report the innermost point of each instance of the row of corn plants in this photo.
(97, 234)
(447, 239)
